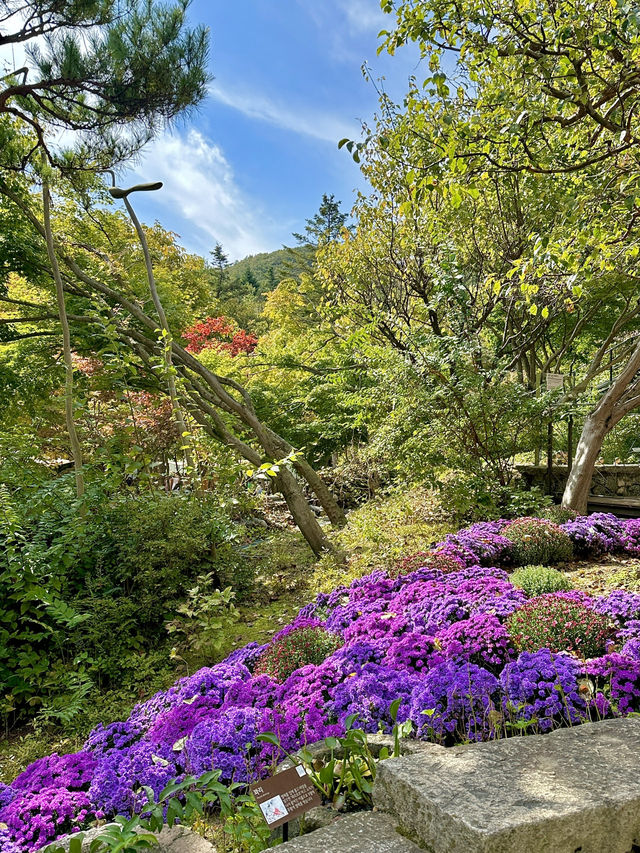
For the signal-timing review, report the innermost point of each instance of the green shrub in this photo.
(479, 496)
(536, 580)
(538, 542)
(204, 622)
(299, 647)
(560, 622)
(85, 589)
(559, 514)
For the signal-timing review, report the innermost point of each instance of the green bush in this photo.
(295, 649)
(536, 580)
(538, 542)
(479, 496)
(558, 514)
(87, 587)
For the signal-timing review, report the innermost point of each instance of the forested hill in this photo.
(268, 268)
(240, 288)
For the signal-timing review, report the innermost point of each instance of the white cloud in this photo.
(363, 16)
(319, 125)
(345, 23)
(199, 186)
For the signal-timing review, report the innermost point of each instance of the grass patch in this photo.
(381, 532)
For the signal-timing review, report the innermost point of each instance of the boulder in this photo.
(178, 839)
(574, 790)
(361, 832)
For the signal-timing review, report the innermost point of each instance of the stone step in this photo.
(574, 790)
(179, 839)
(361, 832)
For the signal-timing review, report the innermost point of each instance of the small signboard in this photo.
(555, 381)
(286, 795)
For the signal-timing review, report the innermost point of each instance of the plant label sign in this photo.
(286, 795)
(555, 381)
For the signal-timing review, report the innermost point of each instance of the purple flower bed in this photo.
(437, 638)
(600, 533)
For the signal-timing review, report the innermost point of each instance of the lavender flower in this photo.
(370, 695)
(600, 533)
(631, 537)
(33, 819)
(120, 776)
(413, 652)
(619, 679)
(481, 639)
(73, 772)
(478, 545)
(455, 701)
(7, 794)
(541, 689)
(113, 737)
(229, 743)
(620, 605)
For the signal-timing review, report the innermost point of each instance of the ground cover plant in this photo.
(536, 580)
(452, 648)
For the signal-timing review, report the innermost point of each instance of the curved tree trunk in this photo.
(302, 513)
(329, 504)
(622, 396)
(76, 448)
(285, 482)
(576, 492)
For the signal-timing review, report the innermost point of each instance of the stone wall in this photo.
(609, 480)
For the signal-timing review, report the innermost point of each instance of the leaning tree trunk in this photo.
(622, 396)
(302, 513)
(76, 448)
(330, 505)
(285, 482)
(576, 492)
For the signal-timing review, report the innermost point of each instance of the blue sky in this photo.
(253, 163)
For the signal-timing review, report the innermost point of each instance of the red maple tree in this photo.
(219, 333)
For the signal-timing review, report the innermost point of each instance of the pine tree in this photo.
(114, 71)
(220, 262)
(325, 226)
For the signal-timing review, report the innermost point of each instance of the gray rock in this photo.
(312, 820)
(179, 839)
(362, 832)
(572, 791)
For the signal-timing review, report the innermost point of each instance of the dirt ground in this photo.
(607, 573)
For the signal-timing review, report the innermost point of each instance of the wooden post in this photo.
(570, 442)
(549, 456)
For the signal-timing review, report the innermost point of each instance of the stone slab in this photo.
(178, 839)
(574, 790)
(362, 832)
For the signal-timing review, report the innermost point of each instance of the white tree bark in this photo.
(622, 396)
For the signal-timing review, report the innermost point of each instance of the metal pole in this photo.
(285, 832)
